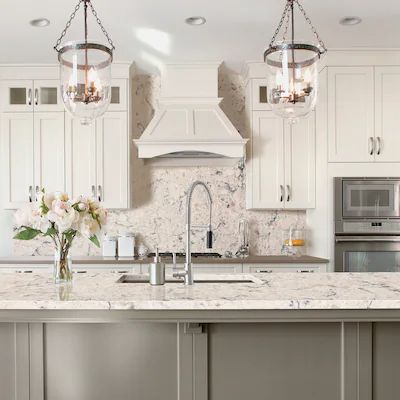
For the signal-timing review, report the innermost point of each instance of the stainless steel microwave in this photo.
(367, 198)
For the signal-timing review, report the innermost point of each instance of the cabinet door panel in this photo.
(46, 95)
(350, 114)
(17, 135)
(80, 158)
(16, 96)
(300, 163)
(112, 160)
(267, 161)
(387, 117)
(49, 151)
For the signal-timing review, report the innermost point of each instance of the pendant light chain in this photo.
(64, 32)
(286, 15)
(73, 15)
(307, 18)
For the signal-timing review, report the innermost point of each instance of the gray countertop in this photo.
(31, 260)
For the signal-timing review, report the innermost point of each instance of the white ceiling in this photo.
(153, 32)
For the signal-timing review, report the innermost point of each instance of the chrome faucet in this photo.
(187, 274)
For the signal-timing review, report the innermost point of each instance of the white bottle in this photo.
(126, 245)
(110, 246)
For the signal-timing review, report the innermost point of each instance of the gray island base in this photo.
(278, 337)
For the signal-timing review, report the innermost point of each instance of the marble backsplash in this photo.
(159, 193)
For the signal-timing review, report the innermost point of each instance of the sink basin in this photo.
(202, 279)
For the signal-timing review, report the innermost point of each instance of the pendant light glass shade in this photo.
(292, 79)
(85, 72)
(292, 68)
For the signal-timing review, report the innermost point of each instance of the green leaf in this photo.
(51, 232)
(70, 235)
(27, 234)
(95, 240)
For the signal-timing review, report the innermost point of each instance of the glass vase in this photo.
(62, 267)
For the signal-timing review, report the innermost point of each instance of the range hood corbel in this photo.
(189, 124)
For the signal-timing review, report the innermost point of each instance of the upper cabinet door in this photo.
(80, 151)
(387, 114)
(17, 159)
(119, 95)
(267, 162)
(112, 160)
(49, 152)
(16, 96)
(300, 163)
(259, 95)
(46, 95)
(351, 114)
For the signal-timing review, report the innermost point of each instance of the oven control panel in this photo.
(368, 227)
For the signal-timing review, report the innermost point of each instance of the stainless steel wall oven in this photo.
(367, 224)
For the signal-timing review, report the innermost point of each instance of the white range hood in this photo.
(189, 123)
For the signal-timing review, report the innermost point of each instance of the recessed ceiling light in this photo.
(40, 22)
(350, 21)
(195, 20)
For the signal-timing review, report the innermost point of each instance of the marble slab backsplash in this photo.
(159, 193)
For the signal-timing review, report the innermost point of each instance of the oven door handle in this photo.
(347, 239)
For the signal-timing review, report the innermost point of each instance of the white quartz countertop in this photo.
(278, 291)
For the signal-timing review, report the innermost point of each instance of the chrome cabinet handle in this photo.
(305, 271)
(93, 191)
(371, 146)
(282, 193)
(378, 141)
(30, 194)
(100, 193)
(264, 271)
(36, 98)
(30, 97)
(288, 198)
(37, 191)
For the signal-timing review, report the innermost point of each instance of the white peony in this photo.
(48, 199)
(63, 215)
(21, 216)
(88, 226)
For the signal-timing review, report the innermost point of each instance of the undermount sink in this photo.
(202, 279)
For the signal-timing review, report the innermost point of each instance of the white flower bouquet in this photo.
(61, 219)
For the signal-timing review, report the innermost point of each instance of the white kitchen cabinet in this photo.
(387, 115)
(97, 159)
(80, 152)
(351, 114)
(282, 163)
(17, 159)
(30, 95)
(112, 160)
(49, 152)
(33, 155)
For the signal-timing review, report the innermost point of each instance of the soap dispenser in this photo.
(157, 271)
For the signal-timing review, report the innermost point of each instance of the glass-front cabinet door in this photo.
(119, 92)
(47, 96)
(16, 96)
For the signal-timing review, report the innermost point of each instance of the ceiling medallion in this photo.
(293, 68)
(85, 70)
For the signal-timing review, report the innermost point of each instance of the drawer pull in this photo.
(305, 270)
(264, 271)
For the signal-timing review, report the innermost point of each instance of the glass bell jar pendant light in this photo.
(293, 68)
(85, 70)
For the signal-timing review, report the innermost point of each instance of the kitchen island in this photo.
(279, 336)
